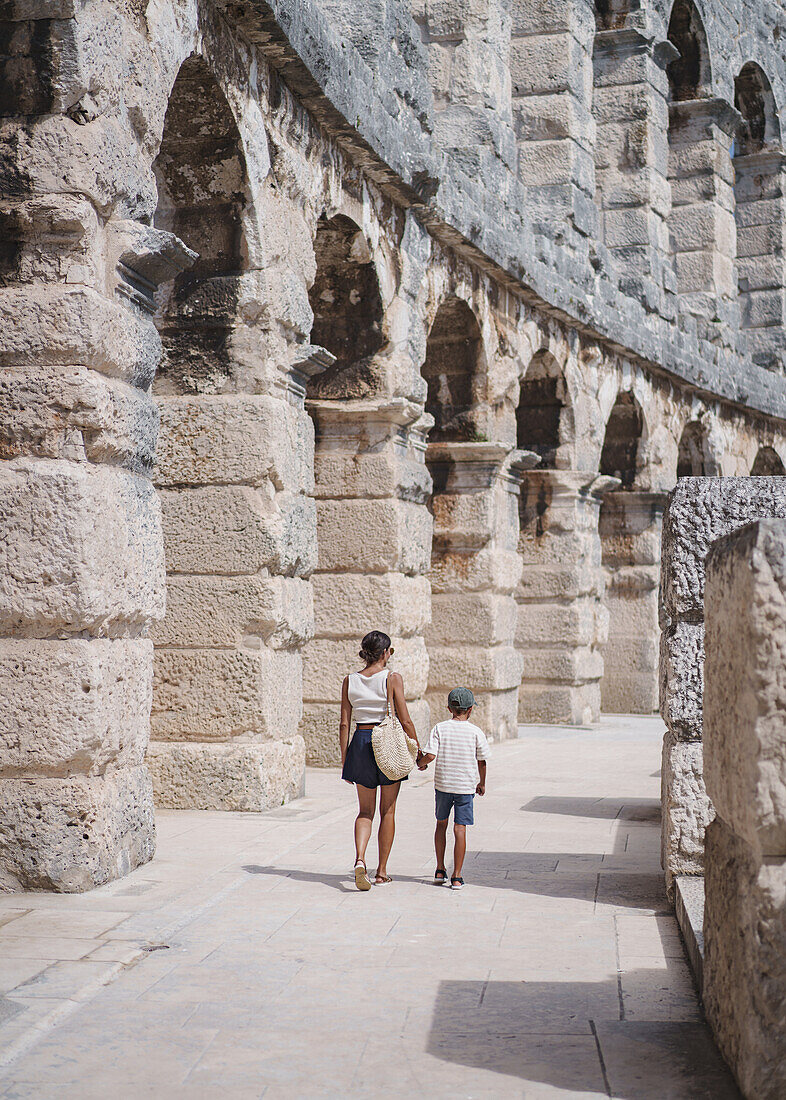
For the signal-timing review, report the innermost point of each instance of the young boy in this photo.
(460, 749)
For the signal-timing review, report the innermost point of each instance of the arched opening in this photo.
(348, 312)
(218, 673)
(629, 528)
(759, 211)
(694, 457)
(451, 372)
(201, 178)
(373, 529)
(701, 222)
(767, 463)
(539, 414)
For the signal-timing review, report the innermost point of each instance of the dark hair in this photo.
(373, 646)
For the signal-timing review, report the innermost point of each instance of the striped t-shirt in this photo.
(457, 747)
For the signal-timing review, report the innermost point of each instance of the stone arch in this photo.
(201, 177)
(694, 454)
(348, 312)
(543, 409)
(690, 74)
(453, 371)
(759, 212)
(767, 463)
(619, 456)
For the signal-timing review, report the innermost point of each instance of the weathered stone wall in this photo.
(168, 173)
(745, 769)
(698, 511)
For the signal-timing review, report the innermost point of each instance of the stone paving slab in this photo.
(243, 962)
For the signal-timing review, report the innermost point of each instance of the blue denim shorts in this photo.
(461, 804)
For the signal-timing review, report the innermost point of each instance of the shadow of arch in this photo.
(453, 370)
(624, 428)
(543, 409)
(754, 99)
(690, 74)
(694, 455)
(767, 463)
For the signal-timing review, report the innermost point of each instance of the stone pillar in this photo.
(235, 478)
(701, 223)
(630, 108)
(374, 538)
(474, 574)
(699, 510)
(82, 565)
(630, 525)
(562, 620)
(551, 83)
(761, 262)
(745, 767)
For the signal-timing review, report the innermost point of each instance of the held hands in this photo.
(421, 761)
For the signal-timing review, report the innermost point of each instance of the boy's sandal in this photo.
(440, 875)
(362, 880)
(456, 882)
(382, 880)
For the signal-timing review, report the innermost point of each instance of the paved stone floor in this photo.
(243, 963)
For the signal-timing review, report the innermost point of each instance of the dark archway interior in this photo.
(620, 445)
(539, 412)
(451, 372)
(689, 74)
(693, 457)
(200, 172)
(767, 463)
(754, 100)
(347, 306)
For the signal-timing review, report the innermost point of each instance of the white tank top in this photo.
(368, 696)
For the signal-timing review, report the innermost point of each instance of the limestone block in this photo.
(326, 661)
(491, 668)
(479, 617)
(546, 63)
(235, 777)
(236, 611)
(489, 568)
(75, 833)
(562, 704)
(744, 990)
(569, 624)
(379, 473)
(319, 728)
(626, 689)
(547, 582)
(52, 412)
(373, 536)
(570, 666)
(681, 679)
(236, 529)
(73, 708)
(218, 695)
(80, 550)
(232, 440)
(350, 604)
(63, 325)
(686, 808)
(745, 684)
(700, 510)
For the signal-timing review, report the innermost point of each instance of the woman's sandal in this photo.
(441, 876)
(382, 880)
(362, 880)
(456, 882)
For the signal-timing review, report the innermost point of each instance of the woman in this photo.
(365, 694)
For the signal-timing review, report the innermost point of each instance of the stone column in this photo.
(236, 484)
(562, 620)
(761, 261)
(630, 526)
(551, 83)
(474, 574)
(630, 108)
(701, 223)
(699, 510)
(81, 565)
(745, 767)
(374, 538)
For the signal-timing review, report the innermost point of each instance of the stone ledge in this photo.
(689, 907)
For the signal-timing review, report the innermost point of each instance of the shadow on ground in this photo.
(643, 810)
(564, 1034)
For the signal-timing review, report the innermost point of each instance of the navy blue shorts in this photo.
(360, 765)
(461, 804)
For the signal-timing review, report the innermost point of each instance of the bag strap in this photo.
(391, 704)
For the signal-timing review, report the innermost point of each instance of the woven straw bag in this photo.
(394, 752)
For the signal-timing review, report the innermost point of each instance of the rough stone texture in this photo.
(698, 511)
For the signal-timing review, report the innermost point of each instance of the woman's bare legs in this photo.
(387, 825)
(367, 804)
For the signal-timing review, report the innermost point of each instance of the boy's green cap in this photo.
(461, 699)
